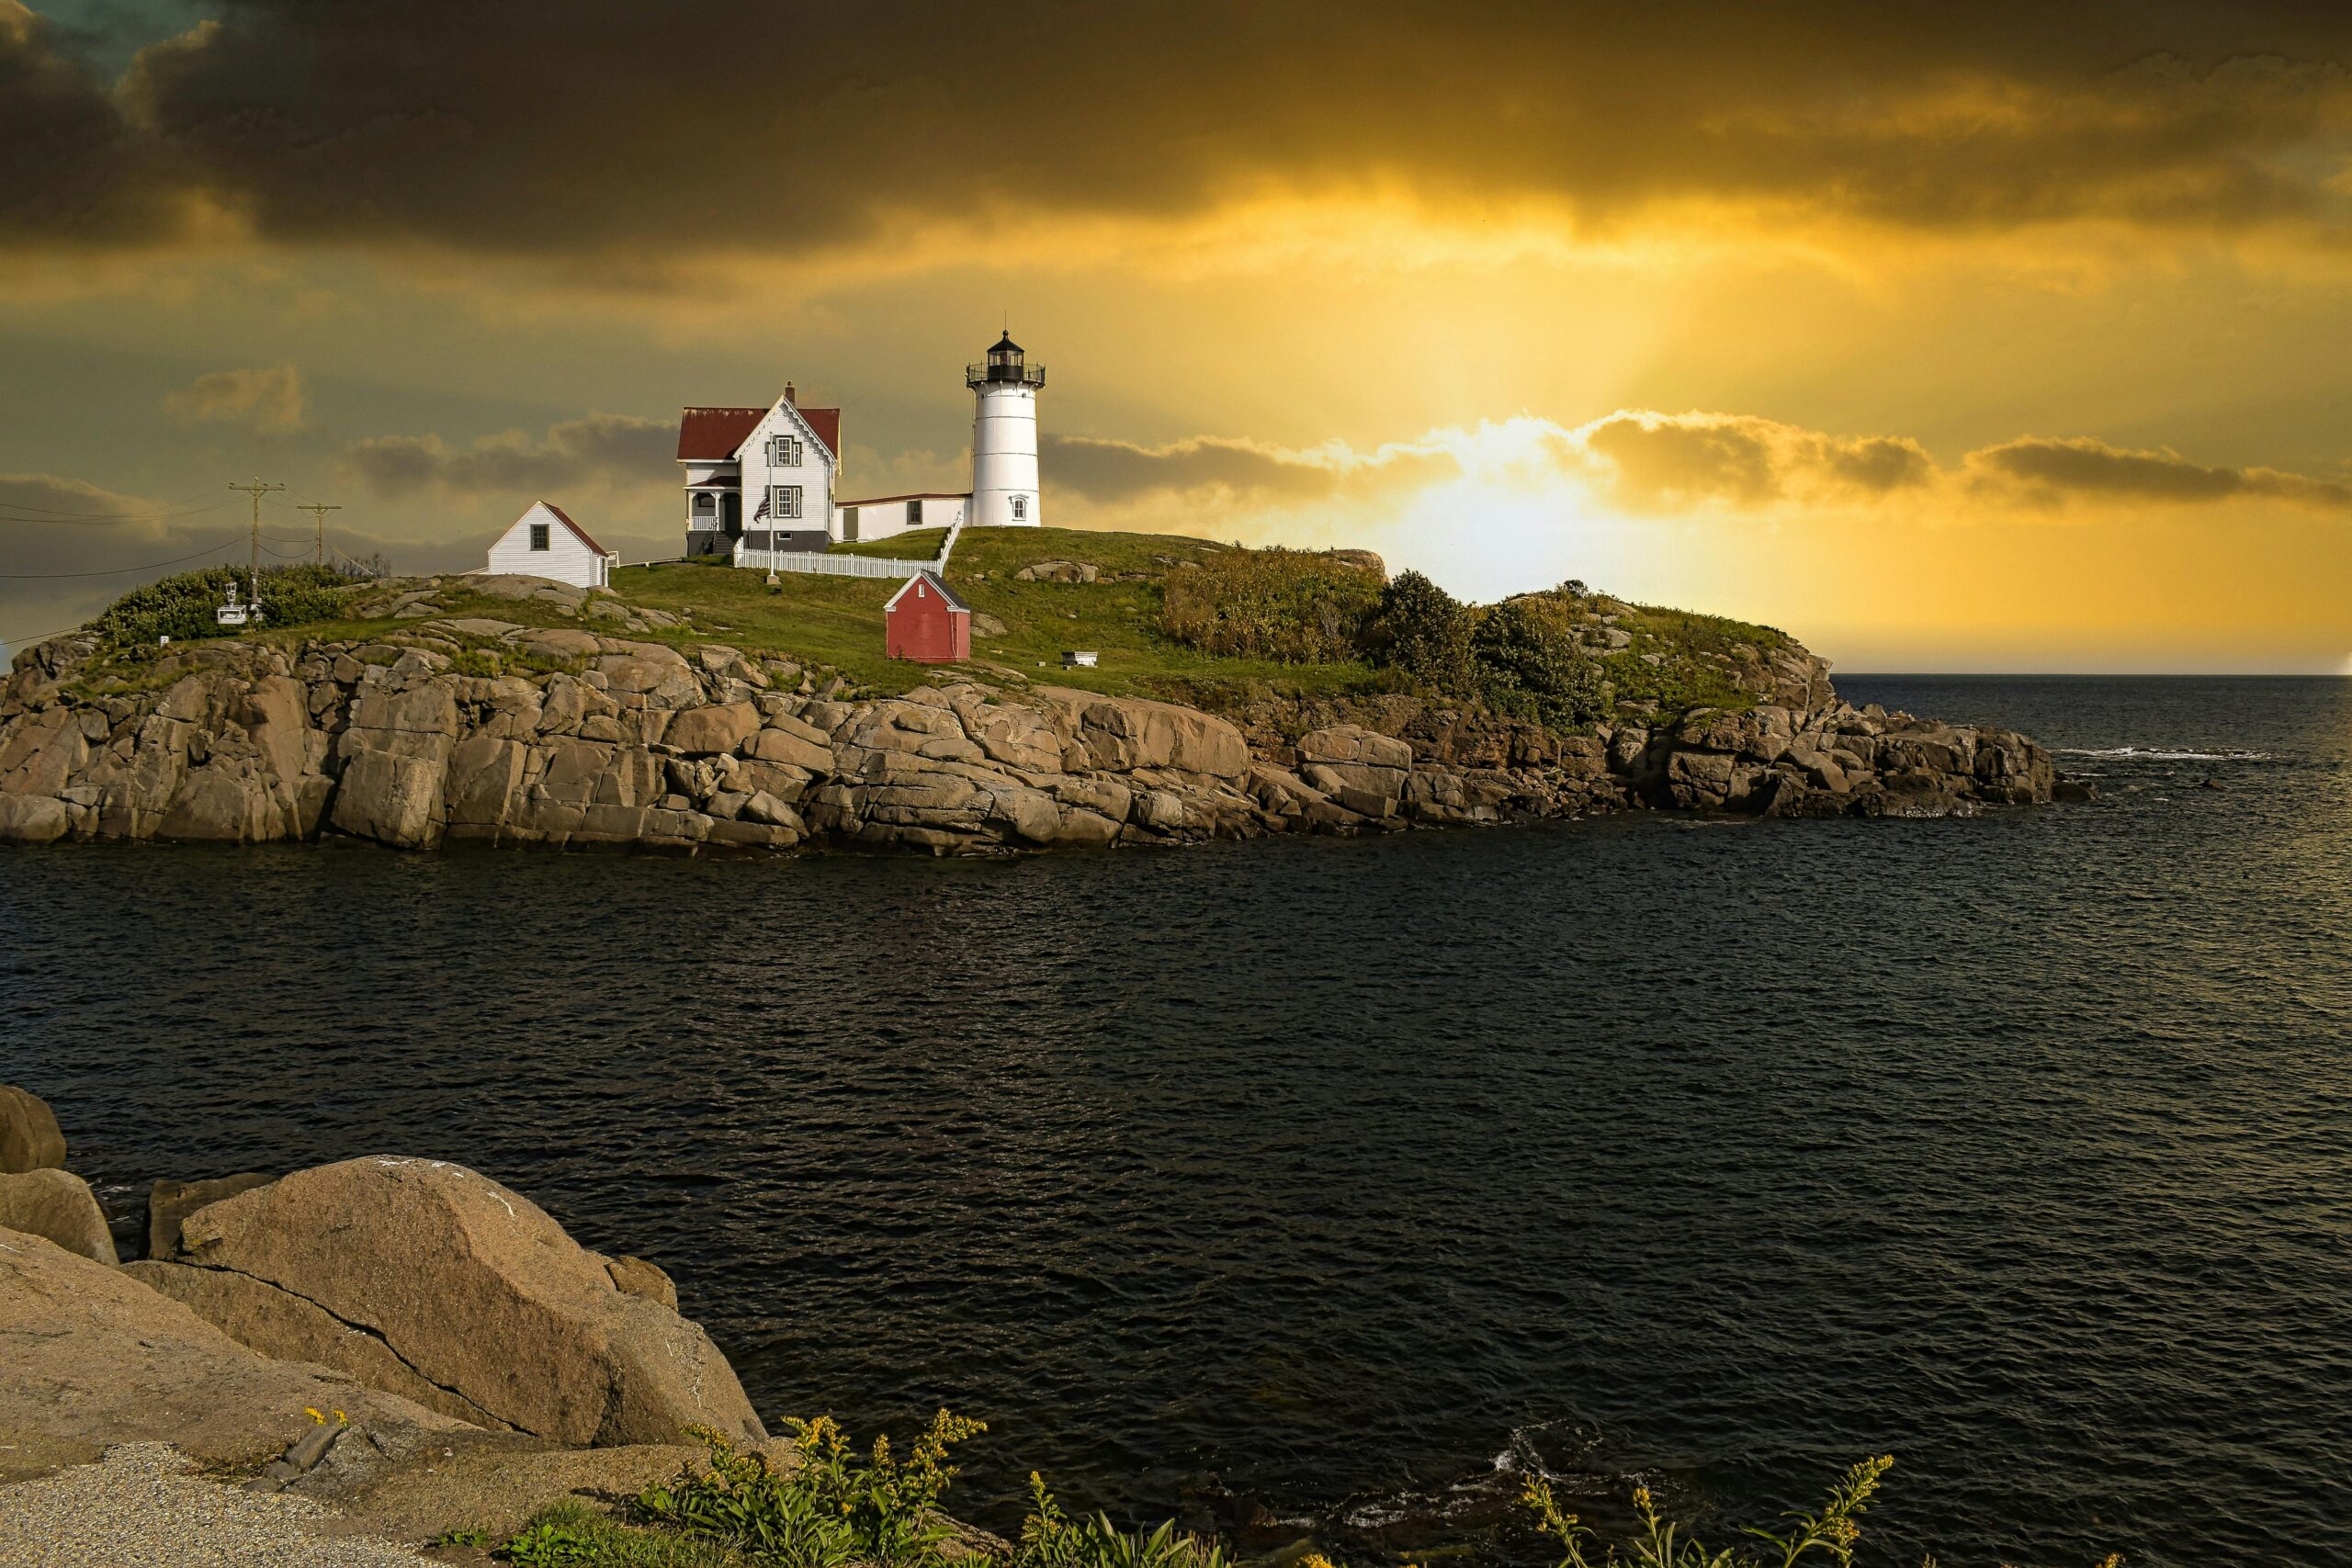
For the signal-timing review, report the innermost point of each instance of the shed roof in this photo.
(577, 531)
(937, 586)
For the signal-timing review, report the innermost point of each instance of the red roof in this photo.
(912, 495)
(713, 435)
(826, 423)
(577, 531)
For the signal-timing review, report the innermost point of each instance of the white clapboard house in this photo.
(543, 542)
(762, 477)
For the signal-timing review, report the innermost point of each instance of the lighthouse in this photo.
(1004, 437)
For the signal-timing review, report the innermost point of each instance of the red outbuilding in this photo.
(926, 622)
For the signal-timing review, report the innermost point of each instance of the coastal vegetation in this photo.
(1186, 619)
(825, 1506)
(181, 607)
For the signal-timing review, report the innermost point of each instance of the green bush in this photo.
(1424, 631)
(1293, 606)
(831, 1507)
(1525, 663)
(181, 607)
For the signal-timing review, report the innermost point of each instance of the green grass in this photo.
(570, 1534)
(836, 623)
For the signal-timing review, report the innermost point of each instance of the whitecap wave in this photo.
(2161, 754)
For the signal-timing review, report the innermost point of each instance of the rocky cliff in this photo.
(576, 738)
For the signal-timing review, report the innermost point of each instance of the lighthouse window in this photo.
(1020, 508)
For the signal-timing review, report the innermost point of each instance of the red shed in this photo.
(925, 622)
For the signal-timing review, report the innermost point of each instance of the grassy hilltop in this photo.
(1171, 617)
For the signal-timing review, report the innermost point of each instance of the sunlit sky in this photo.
(1977, 338)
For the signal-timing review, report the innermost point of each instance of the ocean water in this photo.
(1334, 1185)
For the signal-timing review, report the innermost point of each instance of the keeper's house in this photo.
(761, 475)
(925, 622)
(543, 542)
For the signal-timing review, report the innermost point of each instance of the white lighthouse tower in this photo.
(1004, 437)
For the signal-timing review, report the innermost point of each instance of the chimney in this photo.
(790, 395)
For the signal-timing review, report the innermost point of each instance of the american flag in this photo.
(763, 512)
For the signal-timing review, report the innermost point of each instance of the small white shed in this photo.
(545, 542)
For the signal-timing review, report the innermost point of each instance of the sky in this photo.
(1995, 337)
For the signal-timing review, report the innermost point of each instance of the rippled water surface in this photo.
(1336, 1181)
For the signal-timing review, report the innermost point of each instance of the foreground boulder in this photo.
(57, 1206)
(426, 1279)
(30, 1139)
(94, 1356)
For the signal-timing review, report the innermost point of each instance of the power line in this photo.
(115, 571)
(30, 641)
(109, 516)
(7, 509)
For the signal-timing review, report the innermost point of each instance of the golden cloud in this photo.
(271, 400)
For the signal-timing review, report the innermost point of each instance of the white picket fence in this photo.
(825, 565)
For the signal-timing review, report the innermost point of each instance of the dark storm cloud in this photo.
(2050, 471)
(603, 448)
(630, 131)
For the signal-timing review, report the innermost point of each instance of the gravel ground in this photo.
(145, 1506)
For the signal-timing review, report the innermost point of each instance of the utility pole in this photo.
(256, 490)
(319, 509)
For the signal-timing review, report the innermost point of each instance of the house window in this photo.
(849, 525)
(784, 501)
(785, 452)
(1020, 508)
(538, 536)
(914, 512)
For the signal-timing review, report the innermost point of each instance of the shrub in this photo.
(831, 1507)
(1293, 606)
(1420, 629)
(181, 607)
(1527, 663)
